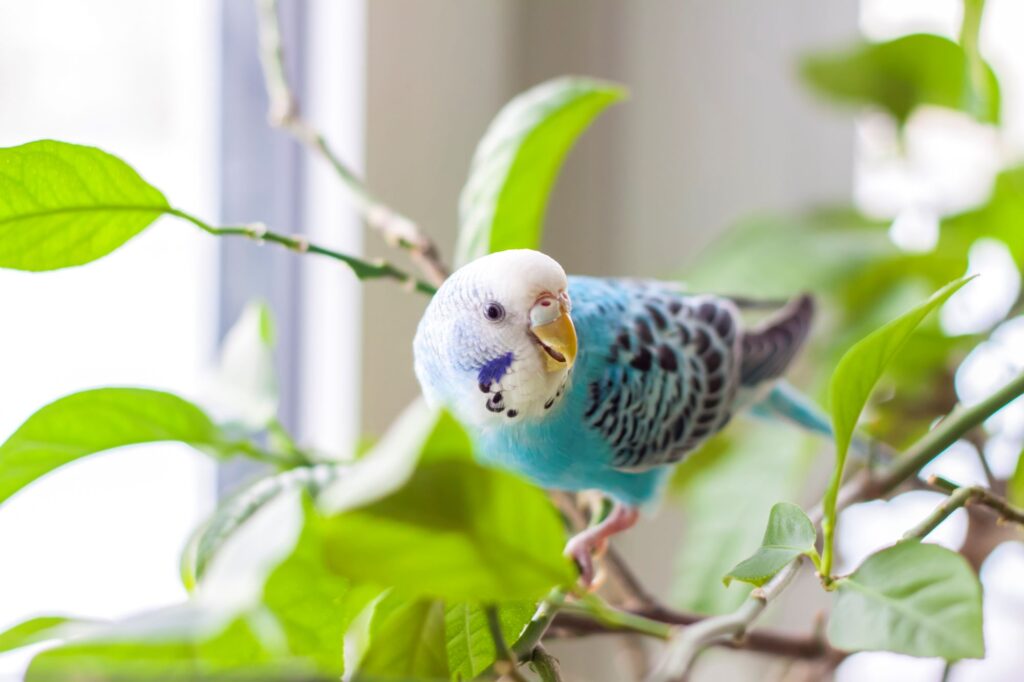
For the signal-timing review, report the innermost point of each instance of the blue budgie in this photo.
(589, 383)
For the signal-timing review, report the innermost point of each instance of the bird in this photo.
(587, 383)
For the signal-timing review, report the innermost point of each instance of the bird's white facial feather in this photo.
(460, 351)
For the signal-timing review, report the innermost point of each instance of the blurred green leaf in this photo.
(313, 606)
(1000, 218)
(753, 465)
(788, 535)
(41, 629)
(902, 74)
(64, 204)
(852, 383)
(92, 421)
(245, 387)
(178, 643)
(453, 529)
(468, 637)
(913, 598)
(757, 257)
(235, 510)
(1015, 486)
(516, 162)
(407, 641)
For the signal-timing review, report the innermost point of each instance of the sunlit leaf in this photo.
(515, 165)
(913, 598)
(854, 379)
(788, 535)
(85, 423)
(902, 74)
(64, 204)
(407, 641)
(451, 529)
(469, 641)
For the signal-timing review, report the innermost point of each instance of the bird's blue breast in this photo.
(561, 449)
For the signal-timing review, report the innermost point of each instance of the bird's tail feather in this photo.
(769, 348)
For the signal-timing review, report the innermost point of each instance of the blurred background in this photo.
(718, 170)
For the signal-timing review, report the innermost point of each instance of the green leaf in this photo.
(753, 465)
(851, 385)
(502, 205)
(234, 511)
(1015, 486)
(92, 421)
(178, 643)
(913, 598)
(407, 641)
(903, 74)
(245, 388)
(788, 535)
(64, 204)
(453, 529)
(468, 637)
(41, 629)
(313, 606)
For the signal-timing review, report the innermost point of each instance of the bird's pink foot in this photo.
(582, 546)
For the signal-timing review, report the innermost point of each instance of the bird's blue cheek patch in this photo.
(493, 371)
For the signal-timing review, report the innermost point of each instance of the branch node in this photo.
(257, 231)
(301, 244)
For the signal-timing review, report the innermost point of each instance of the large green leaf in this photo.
(245, 387)
(515, 165)
(788, 535)
(64, 204)
(903, 74)
(752, 465)
(407, 641)
(851, 386)
(913, 598)
(178, 643)
(92, 421)
(454, 529)
(468, 637)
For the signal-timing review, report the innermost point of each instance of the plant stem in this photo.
(396, 229)
(593, 607)
(362, 269)
(545, 665)
(958, 499)
(506, 663)
(539, 624)
(983, 496)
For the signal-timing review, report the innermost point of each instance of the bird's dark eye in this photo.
(494, 312)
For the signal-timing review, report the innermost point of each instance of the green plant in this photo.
(415, 562)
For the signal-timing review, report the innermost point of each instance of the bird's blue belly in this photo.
(555, 455)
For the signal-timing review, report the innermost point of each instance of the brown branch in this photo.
(397, 230)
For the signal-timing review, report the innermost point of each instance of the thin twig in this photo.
(545, 665)
(397, 230)
(1007, 511)
(362, 269)
(867, 485)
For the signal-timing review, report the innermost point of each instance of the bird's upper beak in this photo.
(551, 324)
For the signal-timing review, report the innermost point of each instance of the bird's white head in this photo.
(497, 342)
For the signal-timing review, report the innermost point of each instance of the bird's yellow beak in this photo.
(551, 324)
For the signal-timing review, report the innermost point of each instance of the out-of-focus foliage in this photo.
(516, 163)
(901, 75)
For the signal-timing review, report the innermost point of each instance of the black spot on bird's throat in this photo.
(512, 413)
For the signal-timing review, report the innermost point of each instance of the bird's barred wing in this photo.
(667, 374)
